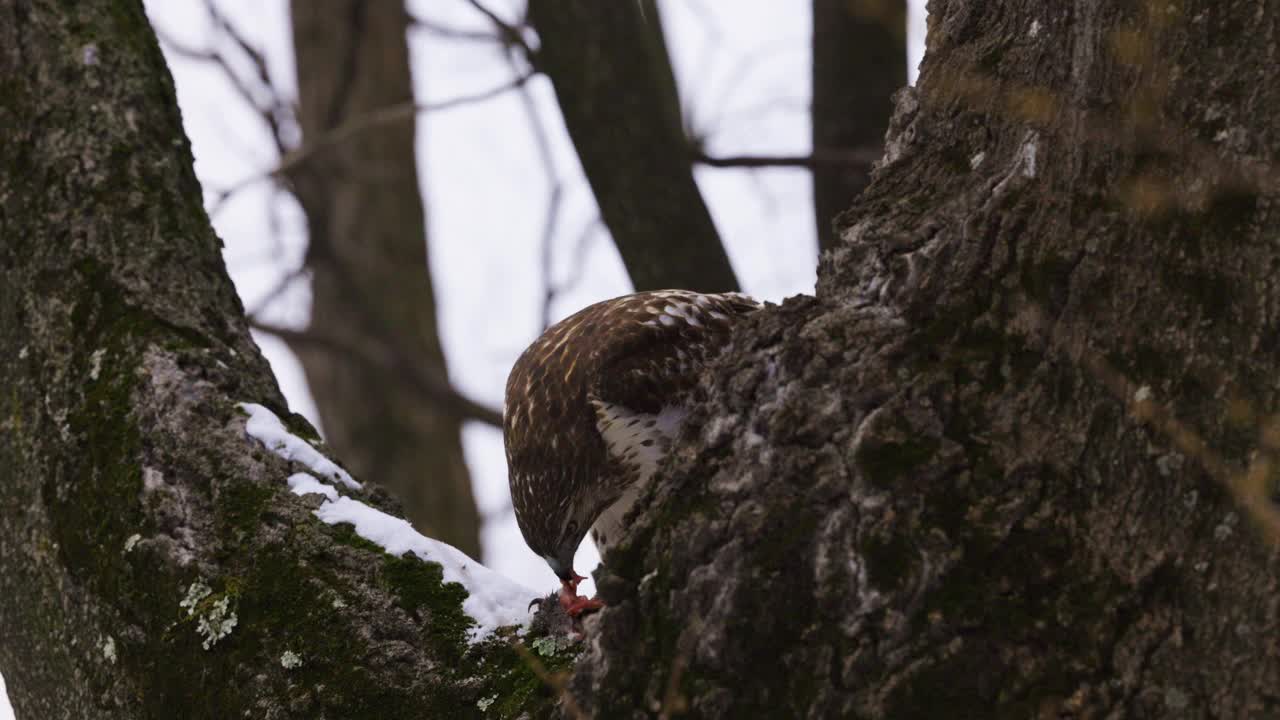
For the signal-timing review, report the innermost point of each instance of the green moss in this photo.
(297, 424)
(346, 534)
(512, 682)
(242, 505)
(420, 587)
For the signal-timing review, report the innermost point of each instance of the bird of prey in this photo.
(592, 407)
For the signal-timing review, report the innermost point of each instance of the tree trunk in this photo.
(614, 85)
(368, 260)
(1005, 464)
(128, 484)
(1000, 467)
(859, 62)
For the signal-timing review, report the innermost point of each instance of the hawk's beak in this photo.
(570, 580)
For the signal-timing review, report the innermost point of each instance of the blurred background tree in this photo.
(638, 122)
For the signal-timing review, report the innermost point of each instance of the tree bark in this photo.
(859, 62)
(615, 89)
(126, 477)
(1000, 466)
(371, 284)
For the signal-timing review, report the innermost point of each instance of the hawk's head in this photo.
(555, 536)
(593, 404)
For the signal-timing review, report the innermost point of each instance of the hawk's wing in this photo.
(662, 342)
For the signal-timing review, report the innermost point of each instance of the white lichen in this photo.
(339, 603)
(195, 593)
(214, 620)
(1143, 394)
(1030, 148)
(1035, 29)
(217, 623)
(108, 647)
(547, 646)
(290, 660)
(131, 542)
(95, 363)
(484, 703)
(976, 161)
(1225, 528)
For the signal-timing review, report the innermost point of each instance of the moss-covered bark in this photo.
(127, 482)
(928, 492)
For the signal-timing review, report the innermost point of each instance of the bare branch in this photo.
(437, 391)
(511, 35)
(859, 158)
(363, 123)
(388, 115)
(450, 33)
(238, 84)
(548, 234)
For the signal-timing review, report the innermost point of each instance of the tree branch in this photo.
(862, 158)
(438, 392)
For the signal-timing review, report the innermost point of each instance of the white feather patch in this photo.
(638, 440)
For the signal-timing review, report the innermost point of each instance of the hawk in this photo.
(592, 407)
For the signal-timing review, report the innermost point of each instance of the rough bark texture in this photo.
(859, 62)
(920, 494)
(368, 260)
(125, 472)
(615, 91)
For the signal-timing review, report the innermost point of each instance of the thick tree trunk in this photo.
(992, 470)
(859, 62)
(127, 481)
(368, 262)
(985, 472)
(615, 88)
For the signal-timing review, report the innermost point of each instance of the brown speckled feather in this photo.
(625, 366)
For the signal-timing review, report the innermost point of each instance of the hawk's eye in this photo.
(572, 528)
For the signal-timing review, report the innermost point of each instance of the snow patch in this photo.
(1035, 28)
(307, 484)
(131, 542)
(492, 601)
(266, 428)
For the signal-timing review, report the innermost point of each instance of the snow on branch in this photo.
(493, 601)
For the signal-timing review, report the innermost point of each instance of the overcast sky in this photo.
(743, 71)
